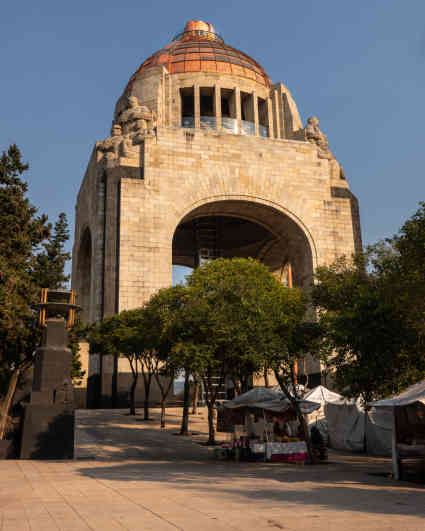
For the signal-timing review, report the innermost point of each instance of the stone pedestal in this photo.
(48, 429)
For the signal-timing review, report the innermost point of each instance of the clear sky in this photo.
(359, 66)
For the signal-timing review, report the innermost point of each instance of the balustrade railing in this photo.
(247, 128)
(263, 131)
(208, 122)
(228, 125)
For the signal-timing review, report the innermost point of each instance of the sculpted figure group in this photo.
(129, 129)
(314, 135)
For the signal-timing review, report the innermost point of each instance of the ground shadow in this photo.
(152, 458)
(344, 490)
(57, 441)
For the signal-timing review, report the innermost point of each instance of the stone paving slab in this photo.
(173, 484)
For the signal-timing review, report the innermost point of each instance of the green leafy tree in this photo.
(365, 309)
(235, 315)
(122, 334)
(161, 314)
(50, 262)
(75, 335)
(21, 232)
(406, 270)
(22, 268)
(294, 339)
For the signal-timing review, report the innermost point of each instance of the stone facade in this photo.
(196, 144)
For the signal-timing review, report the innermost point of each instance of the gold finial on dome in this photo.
(199, 25)
(199, 28)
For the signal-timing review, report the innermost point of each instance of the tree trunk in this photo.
(163, 412)
(7, 403)
(306, 431)
(300, 416)
(211, 427)
(133, 395)
(184, 430)
(211, 396)
(244, 384)
(266, 377)
(165, 390)
(196, 395)
(236, 386)
(147, 393)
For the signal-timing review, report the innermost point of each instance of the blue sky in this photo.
(359, 66)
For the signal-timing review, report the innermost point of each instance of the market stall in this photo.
(265, 427)
(351, 428)
(317, 419)
(408, 434)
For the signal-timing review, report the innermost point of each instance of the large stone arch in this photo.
(288, 240)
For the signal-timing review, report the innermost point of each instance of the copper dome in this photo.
(199, 49)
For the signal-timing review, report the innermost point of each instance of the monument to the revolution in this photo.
(207, 157)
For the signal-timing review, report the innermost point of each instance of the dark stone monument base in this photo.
(48, 432)
(6, 449)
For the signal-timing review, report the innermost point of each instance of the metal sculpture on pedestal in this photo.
(48, 427)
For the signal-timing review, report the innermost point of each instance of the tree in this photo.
(50, 263)
(163, 326)
(230, 321)
(75, 334)
(405, 267)
(125, 334)
(364, 307)
(150, 365)
(21, 232)
(24, 269)
(295, 339)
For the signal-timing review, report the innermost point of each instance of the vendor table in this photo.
(276, 451)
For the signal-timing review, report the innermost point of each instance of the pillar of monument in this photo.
(48, 426)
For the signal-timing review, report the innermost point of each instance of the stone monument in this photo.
(48, 425)
(207, 157)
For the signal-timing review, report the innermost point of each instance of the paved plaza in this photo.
(131, 475)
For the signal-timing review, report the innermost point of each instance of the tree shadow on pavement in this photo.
(337, 487)
(140, 457)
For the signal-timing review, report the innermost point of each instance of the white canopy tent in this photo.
(407, 413)
(346, 426)
(322, 395)
(352, 428)
(414, 393)
(267, 399)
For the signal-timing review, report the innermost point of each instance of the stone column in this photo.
(174, 109)
(255, 105)
(238, 108)
(217, 95)
(276, 106)
(197, 106)
(270, 117)
(98, 251)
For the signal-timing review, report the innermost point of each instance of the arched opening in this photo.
(238, 228)
(234, 228)
(84, 274)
